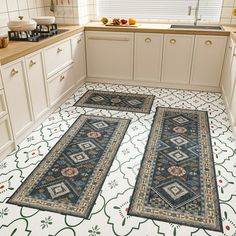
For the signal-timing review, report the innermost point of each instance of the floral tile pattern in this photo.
(109, 214)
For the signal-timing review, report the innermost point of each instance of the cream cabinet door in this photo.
(6, 138)
(78, 56)
(233, 107)
(148, 57)
(17, 96)
(229, 71)
(208, 60)
(37, 84)
(177, 58)
(109, 55)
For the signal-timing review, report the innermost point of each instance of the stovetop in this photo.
(40, 33)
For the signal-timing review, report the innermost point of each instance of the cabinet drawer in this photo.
(6, 134)
(3, 107)
(59, 85)
(57, 57)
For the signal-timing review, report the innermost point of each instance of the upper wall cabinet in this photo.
(148, 57)
(177, 57)
(208, 60)
(109, 55)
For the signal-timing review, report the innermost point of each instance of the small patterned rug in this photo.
(69, 178)
(176, 181)
(116, 101)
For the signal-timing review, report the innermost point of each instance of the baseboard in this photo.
(154, 84)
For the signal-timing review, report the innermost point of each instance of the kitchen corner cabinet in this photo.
(148, 57)
(177, 57)
(208, 60)
(78, 57)
(37, 85)
(109, 55)
(17, 96)
(229, 72)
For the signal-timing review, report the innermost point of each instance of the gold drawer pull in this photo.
(148, 40)
(234, 54)
(173, 41)
(208, 42)
(79, 40)
(32, 62)
(59, 50)
(62, 77)
(14, 72)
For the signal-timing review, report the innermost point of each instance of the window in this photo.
(163, 10)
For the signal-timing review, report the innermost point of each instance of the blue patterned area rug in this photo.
(69, 178)
(116, 101)
(176, 181)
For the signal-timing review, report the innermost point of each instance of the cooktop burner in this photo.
(40, 33)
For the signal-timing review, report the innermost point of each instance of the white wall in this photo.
(11, 9)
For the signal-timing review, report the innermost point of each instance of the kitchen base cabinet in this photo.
(17, 96)
(78, 56)
(37, 84)
(6, 138)
(177, 58)
(229, 72)
(208, 60)
(109, 55)
(148, 57)
(60, 85)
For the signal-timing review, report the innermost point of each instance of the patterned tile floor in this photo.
(109, 216)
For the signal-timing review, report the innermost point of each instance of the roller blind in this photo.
(164, 10)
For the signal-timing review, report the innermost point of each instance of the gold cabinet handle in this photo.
(173, 41)
(234, 54)
(59, 50)
(62, 77)
(14, 72)
(32, 62)
(148, 40)
(208, 42)
(79, 40)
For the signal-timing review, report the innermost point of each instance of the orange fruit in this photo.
(132, 21)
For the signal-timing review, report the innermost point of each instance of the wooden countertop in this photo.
(17, 49)
(155, 28)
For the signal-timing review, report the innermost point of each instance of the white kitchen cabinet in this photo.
(78, 56)
(109, 55)
(229, 72)
(37, 84)
(57, 57)
(60, 84)
(6, 138)
(177, 58)
(17, 96)
(3, 106)
(148, 57)
(208, 60)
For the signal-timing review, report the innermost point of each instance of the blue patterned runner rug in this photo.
(176, 182)
(69, 178)
(116, 101)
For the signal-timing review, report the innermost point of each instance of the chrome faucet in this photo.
(196, 18)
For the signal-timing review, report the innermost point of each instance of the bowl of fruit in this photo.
(119, 22)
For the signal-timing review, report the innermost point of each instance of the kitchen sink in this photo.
(206, 27)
